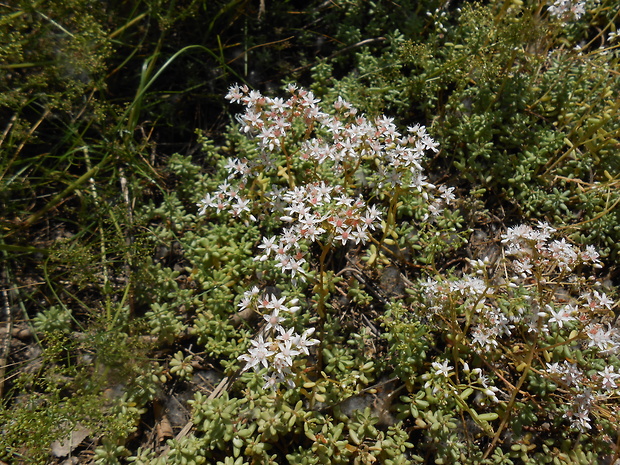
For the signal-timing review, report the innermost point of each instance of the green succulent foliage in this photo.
(408, 343)
(55, 318)
(203, 264)
(164, 323)
(143, 456)
(257, 425)
(452, 417)
(110, 453)
(181, 366)
(187, 450)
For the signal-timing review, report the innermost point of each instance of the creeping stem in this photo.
(391, 217)
(321, 310)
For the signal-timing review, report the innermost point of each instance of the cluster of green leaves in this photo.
(212, 266)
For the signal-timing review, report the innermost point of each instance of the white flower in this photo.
(268, 246)
(287, 335)
(563, 253)
(609, 377)
(287, 352)
(590, 255)
(554, 368)
(562, 315)
(442, 369)
(484, 337)
(303, 341)
(259, 354)
(235, 93)
(204, 204)
(566, 10)
(599, 300)
(273, 321)
(601, 339)
(272, 380)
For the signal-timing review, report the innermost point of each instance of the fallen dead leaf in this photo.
(71, 442)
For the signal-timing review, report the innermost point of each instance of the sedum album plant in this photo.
(531, 314)
(509, 360)
(316, 179)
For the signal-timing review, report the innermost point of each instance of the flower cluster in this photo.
(534, 252)
(440, 379)
(585, 392)
(316, 212)
(275, 347)
(567, 10)
(342, 140)
(539, 297)
(298, 141)
(533, 248)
